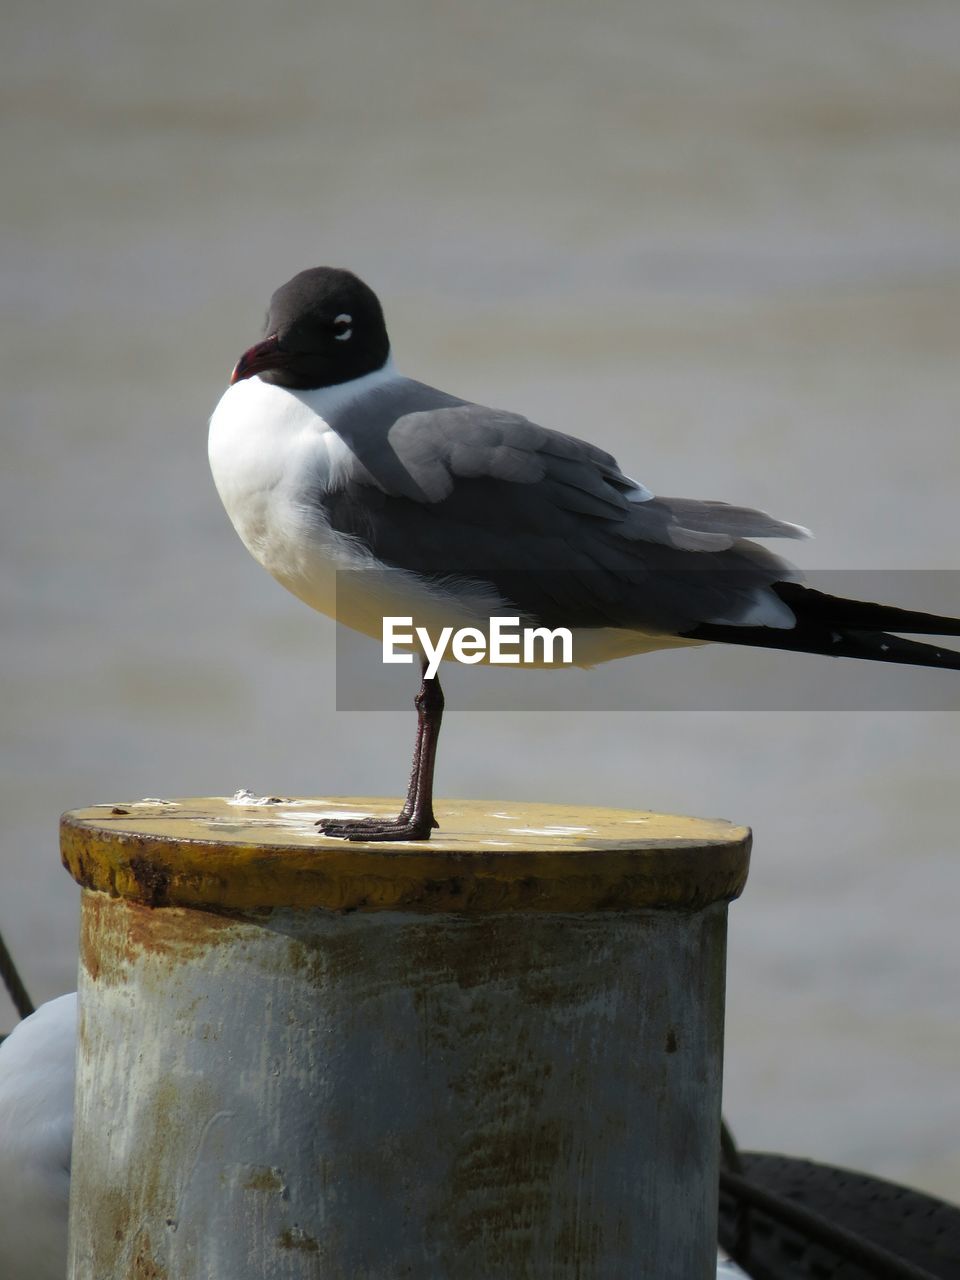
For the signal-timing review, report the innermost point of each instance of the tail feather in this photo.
(861, 615)
(845, 629)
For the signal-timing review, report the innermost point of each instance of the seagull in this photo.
(371, 495)
(36, 1137)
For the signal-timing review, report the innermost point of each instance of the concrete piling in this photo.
(496, 1054)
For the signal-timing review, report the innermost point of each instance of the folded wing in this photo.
(460, 494)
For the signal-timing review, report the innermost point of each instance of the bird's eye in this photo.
(342, 327)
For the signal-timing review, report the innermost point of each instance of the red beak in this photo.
(262, 356)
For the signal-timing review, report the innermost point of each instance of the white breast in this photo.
(272, 452)
(269, 451)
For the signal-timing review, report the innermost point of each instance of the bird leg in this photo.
(415, 820)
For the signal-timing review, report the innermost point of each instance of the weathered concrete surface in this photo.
(291, 1094)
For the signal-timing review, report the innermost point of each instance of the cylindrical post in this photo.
(493, 1055)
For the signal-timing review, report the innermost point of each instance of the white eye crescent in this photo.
(346, 320)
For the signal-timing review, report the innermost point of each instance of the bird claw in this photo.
(403, 827)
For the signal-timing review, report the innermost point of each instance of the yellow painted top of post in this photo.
(246, 855)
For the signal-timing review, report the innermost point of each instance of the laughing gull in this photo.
(329, 459)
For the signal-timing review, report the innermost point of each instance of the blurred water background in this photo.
(720, 240)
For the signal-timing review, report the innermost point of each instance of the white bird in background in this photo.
(37, 1073)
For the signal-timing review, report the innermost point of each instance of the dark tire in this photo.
(916, 1227)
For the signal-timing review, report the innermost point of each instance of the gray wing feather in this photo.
(458, 493)
(705, 526)
(469, 442)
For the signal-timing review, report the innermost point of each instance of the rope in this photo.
(730, 1156)
(13, 982)
(729, 1152)
(879, 1262)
